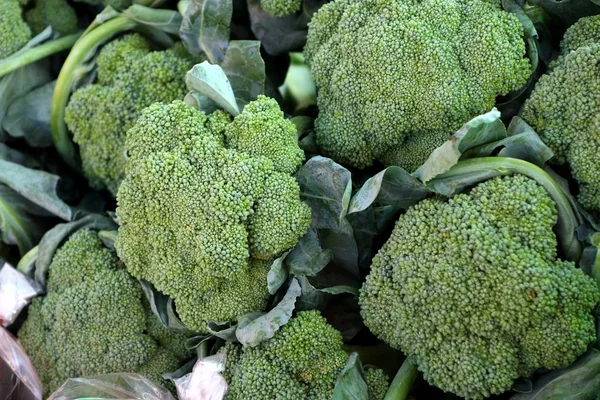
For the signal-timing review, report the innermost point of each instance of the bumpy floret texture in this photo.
(55, 13)
(281, 8)
(130, 78)
(93, 321)
(564, 108)
(396, 78)
(377, 383)
(302, 361)
(261, 130)
(14, 32)
(196, 216)
(472, 287)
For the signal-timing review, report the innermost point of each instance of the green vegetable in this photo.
(55, 13)
(93, 320)
(130, 77)
(201, 221)
(302, 361)
(472, 288)
(14, 32)
(281, 8)
(396, 78)
(563, 108)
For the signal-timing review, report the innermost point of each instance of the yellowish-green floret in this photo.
(55, 13)
(130, 78)
(377, 383)
(396, 78)
(302, 361)
(201, 221)
(261, 130)
(14, 32)
(473, 289)
(563, 108)
(93, 320)
(281, 8)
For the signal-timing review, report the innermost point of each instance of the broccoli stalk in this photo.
(403, 381)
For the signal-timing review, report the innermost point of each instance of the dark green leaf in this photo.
(205, 28)
(308, 258)
(256, 328)
(225, 331)
(163, 20)
(245, 69)
(568, 11)
(278, 274)
(580, 381)
(162, 306)
(350, 384)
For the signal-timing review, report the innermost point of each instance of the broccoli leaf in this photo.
(350, 384)
(210, 81)
(278, 274)
(569, 11)
(308, 258)
(245, 69)
(162, 306)
(205, 28)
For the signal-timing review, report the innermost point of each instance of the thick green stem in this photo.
(27, 263)
(483, 168)
(69, 74)
(403, 381)
(36, 53)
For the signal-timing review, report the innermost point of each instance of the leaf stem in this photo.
(36, 53)
(403, 381)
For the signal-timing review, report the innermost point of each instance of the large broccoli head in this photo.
(130, 78)
(397, 78)
(302, 361)
(199, 220)
(94, 321)
(472, 287)
(564, 108)
(14, 32)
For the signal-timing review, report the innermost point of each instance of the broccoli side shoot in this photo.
(201, 221)
(55, 13)
(14, 32)
(302, 361)
(93, 320)
(281, 8)
(396, 78)
(563, 108)
(473, 289)
(130, 77)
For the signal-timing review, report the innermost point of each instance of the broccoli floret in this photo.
(388, 70)
(473, 289)
(93, 320)
(55, 13)
(281, 8)
(302, 361)
(130, 77)
(377, 383)
(195, 215)
(14, 32)
(261, 130)
(563, 108)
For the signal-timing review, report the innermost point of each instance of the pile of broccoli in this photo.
(207, 203)
(302, 361)
(396, 78)
(95, 320)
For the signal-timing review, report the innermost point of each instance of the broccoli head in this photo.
(302, 361)
(281, 8)
(14, 32)
(473, 289)
(396, 78)
(564, 106)
(130, 77)
(55, 13)
(201, 221)
(93, 320)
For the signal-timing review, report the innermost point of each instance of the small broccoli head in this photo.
(302, 360)
(130, 77)
(194, 214)
(563, 108)
(377, 383)
(14, 32)
(472, 288)
(261, 130)
(281, 8)
(388, 71)
(55, 13)
(93, 320)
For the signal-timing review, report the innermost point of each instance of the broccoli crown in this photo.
(377, 383)
(55, 13)
(281, 8)
(563, 108)
(261, 130)
(390, 70)
(93, 320)
(14, 32)
(472, 287)
(302, 361)
(130, 77)
(199, 220)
